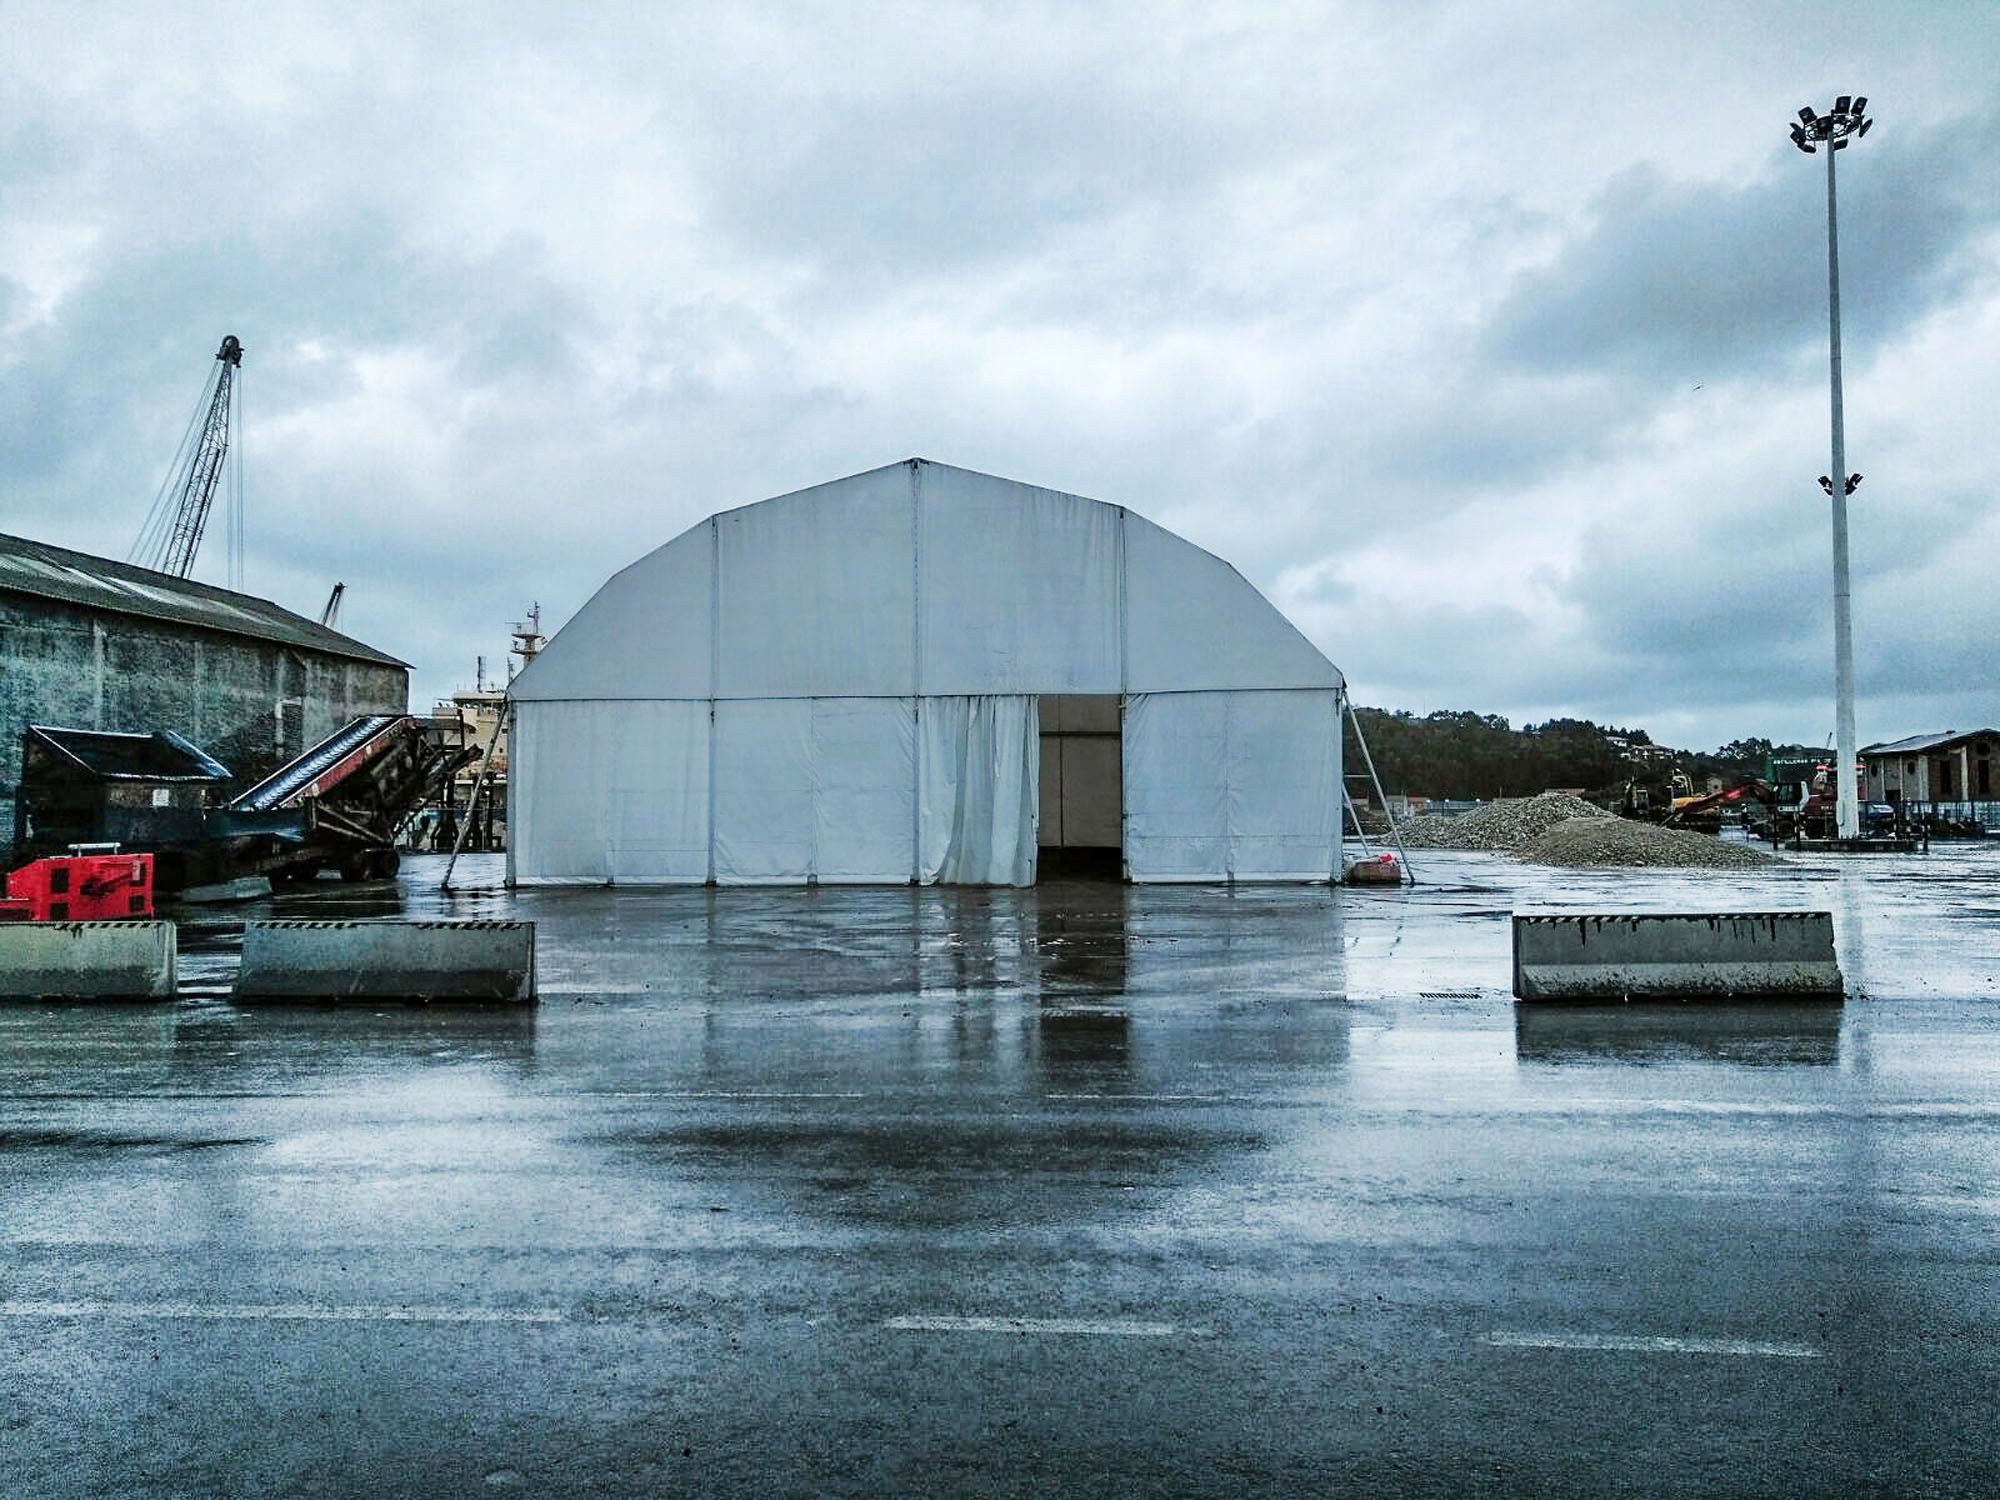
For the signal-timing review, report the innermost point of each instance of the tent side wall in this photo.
(775, 791)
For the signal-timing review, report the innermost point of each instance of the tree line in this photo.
(1462, 755)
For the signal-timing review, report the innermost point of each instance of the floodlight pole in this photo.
(1845, 780)
(1835, 130)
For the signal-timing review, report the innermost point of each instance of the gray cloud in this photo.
(1691, 281)
(526, 295)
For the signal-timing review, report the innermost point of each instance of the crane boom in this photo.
(198, 489)
(170, 538)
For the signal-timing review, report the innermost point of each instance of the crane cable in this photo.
(150, 550)
(232, 498)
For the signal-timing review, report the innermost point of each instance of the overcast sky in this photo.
(1488, 340)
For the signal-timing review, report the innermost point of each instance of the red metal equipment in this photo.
(1383, 869)
(82, 888)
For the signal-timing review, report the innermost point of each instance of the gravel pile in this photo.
(1585, 843)
(1504, 826)
(1558, 829)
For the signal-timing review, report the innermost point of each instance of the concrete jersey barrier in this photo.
(387, 960)
(88, 960)
(1675, 956)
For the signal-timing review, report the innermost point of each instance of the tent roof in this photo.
(917, 579)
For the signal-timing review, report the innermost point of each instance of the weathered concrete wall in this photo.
(252, 704)
(88, 960)
(302, 960)
(1675, 955)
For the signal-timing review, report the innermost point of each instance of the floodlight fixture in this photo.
(1826, 483)
(1853, 483)
(1844, 121)
(1860, 104)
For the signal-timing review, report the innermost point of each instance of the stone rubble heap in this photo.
(1502, 826)
(1558, 829)
(1600, 842)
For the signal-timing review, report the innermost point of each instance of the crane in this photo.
(172, 533)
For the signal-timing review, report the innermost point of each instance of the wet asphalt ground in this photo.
(1088, 1189)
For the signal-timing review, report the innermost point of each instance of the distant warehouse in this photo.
(925, 674)
(87, 643)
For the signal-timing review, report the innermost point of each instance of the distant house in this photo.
(1951, 774)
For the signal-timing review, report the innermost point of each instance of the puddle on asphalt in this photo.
(1760, 1035)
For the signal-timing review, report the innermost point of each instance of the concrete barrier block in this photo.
(88, 960)
(387, 960)
(1675, 956)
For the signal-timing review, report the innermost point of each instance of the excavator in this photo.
(1703, 813)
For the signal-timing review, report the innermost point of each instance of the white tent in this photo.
(915, 674)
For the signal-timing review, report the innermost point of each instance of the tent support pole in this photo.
(485, 773)
(1347, 801)
(1347, 707)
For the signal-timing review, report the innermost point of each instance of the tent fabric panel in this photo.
(1283, 781)
(645, 634)
(815, 789)
(1193, 622)
(763, 791)
(1176, 795)
(1018, 588)
(1232, 786)
(817, 592)
(865, 790)
(978, 789)
(608, 792)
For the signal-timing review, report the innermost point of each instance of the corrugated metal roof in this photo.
(1920, 742)
(130, 757)
(99, 583)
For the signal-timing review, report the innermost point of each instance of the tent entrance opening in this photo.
(1082, 786)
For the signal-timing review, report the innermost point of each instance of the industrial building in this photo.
(925, 674)
(1948, 775)
(88, 643)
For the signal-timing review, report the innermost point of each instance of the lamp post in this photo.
(1846, 122)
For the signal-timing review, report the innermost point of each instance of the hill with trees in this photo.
(1463, 755)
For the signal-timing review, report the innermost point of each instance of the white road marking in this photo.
(1116, 1327)
(1650, 1344)
(1158, 1098)
(713, 1094)
(281, 1312)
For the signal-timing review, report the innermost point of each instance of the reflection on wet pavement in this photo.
(1755, 1034)
(748, 1193)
